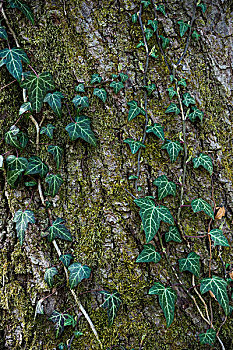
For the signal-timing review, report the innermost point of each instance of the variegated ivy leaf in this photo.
(81, 101)
(173, 149)
(218, 237)
(134, 145)
(157, 129)
(101, 93)
(58, 230)
(161, 8)
(117, 86)
(191, 264)
(14, 177)
(57, 153)
(54, 183)
(77, 273)
(112, 302)
(123, 77)
(153, 23)
(183, 27)
(66, 259)
(171, 92)
(3, 33)
(37, 87)
(196, 113)
(200, 205)
(202, 6)
(150, 88)
(173, 108)
(167, 298)
(20, 5)
(134, 110)
(49, 276)
(205, 161)
(218, 286)
(149, 33)
(165, 42)
(22, 219)
(80, 88)
(96, 78)
(48, 130)
(81, 128)
(39, 308)
(13, 59)
(36, 166)
(145, 3)
(173, 235)
(182, 82)
(26, 107)
(16, 163)
(165, 187)
(148, 254)
(59, 322)
(54, 101)
(188, 99)
(208, 337)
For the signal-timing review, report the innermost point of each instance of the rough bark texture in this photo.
(74, 39)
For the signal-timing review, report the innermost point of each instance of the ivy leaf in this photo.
(218, 237)
(3, 33)
(173, 149)
(195, 35)
(203, 7)
(112, 302)
(96, 78)
(165, 187)
(30, 183)
(37, 87)
(167, 299)
(11, 137)
(48, 130)
(59, 321)
(218, 286)
(77, 273)
(157, 129)
(208, 337)
(16, 163)
(80, 101)
(196, 113)
(54, 183)
(191, 264)
(149, 254)
(172, 93)
(69, 320)
(66, 259)
(80, 88)
(200, 205)
(14, 177)
(141, 43)
(134, 110)
(13, 59)
(54, 100)
(165, 42)
(134, 17)
(117, 86)
(22, 219)
(57, 153)
(205, 161)
(161, 8)
(153, 23)
(23, 139)
(148, 33)
(182, 82)
(173, 108)
(188, 99)
(173, 235)
(183, 27)
(145, 3)
(134, 145)
(123, 77)
(20, 5)
(26, 107)
(150, 88)
(101, 93)
(49, 274)
(36, 166)
(58, 230)
(81, 128)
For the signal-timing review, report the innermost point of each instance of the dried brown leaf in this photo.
(220, 213)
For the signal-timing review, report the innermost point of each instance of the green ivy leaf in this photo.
(218, 237)
(173, 235)
(134, 17)
(191, 264)
(182, 82)
(23, 140)
(218, 286)
(49, 274)
(69, 320)
(123, 77)
(81, 128)
(188, 99)
(167, 299)
(80, 88)
(183, 27)
(165, 187)
(134, 110)
(22, 219)
(196, 113)
(48, 130)
(173, 108)
(96, 78)
(148, 254)
(165, 42)
(26, 107)
(153, 24)
(59, 230)
(39, 308)
(16, 163)
(77, 273)
(36, 166)
(101, 93)
(208, 338)
(172, 93)
(14, 177)
(54, 101)
(150, 88)
(20, 5)
(173, 149)
(3, 33)
(157, 129)
(13, 59)
(11, 137)
(80, 101)
(117, 86)
(200, 205)
(54, 183)
(66, 259)
(141, 43)
(112, 302)
(57, 153)
(30, 183)
(195, 35)
(203, 7)
(161, 8)
(134, 145)
(145, 3)
(37, 87)
(148, 33)
(153, 53)
(205, 161)
(59, 322)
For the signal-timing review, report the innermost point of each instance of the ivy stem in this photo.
(5, 86)
(33, 70)
(8, 24)
(200, 297)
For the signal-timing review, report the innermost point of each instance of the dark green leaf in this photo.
(173, 235)
(134, 145)
(165, 187)
(13, 59)
(3, 33)
(203, 7)
(81, 101)
(200, 205)
(16, 163)
(22, 219)
(173, 108)
(36, 166)
(165, 42)
(173, 149)
(69, 320)
(218, 237)
(161, 8)
(145, 3)
(30, 183)
(188, 99)
(208, 338)
(80, 88)
(150, 88)
(59, 322)
(54, 183)
(182, 82)
(54, 101)
(195, 35)
(123, 77)
(141, 43)
(20, 5)
(58, 230)
(134, 17)
(153, 23)
(196, 113)
(11, 137)
(191, 264)
(66, 259)
(157, 129)
(57, 153)
(101, 93)
(96, 78)
(81, 128)
(26, 107)
(48, 130)
(14, 177)
(23, 139)
(117, 86)
(134, 110)
(183, 27)
(49, 274)
(148, 33)
(149, 254)
(172, 93)
(205, 161)
(77, 273)
(112, 302)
